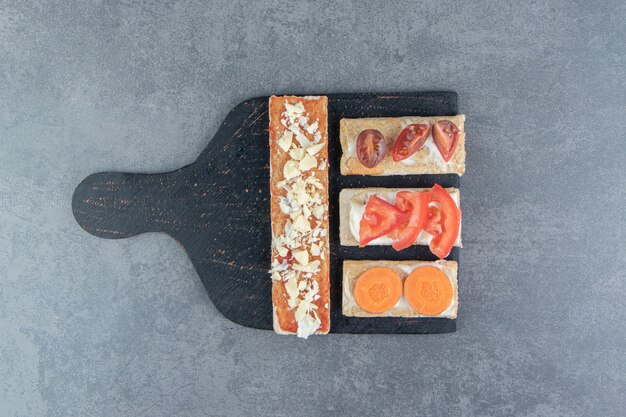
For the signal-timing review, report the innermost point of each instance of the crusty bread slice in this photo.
(315, 109)
(349, 195)
(353, 269)
(425, 161)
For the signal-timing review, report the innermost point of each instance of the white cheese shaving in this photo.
(285, 140)
(294, 110)
(279, 267)
(284, 208)
(293, 302)
(302, 310)
(312, 127)
(318, 211)
(308, 325)
(314, 149)
(315, 182)
(301, 224)
(282, 251)
(289, 275)
(312, 267)
(300, 137)
(302, 256)
(299, 194)
(291, 287)
(291, 170)
(307, 163)
(297, 153)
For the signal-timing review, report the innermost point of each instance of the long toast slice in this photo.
(298, 134)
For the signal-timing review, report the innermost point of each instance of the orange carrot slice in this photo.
(377, 290)
(428, 290)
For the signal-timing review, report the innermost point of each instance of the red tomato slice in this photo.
(445, 218)
(380, 218)
(410, 140)
(446, 137)
(433, 225)
(416, 206)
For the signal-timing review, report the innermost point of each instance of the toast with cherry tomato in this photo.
(403, 145)
(400, 289)
(401, 218)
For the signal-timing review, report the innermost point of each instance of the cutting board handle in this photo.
(116, 205)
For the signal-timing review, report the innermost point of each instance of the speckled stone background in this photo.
(92, 327)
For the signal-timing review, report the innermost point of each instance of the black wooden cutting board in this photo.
(218, 209)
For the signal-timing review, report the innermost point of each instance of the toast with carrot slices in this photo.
(427, 289)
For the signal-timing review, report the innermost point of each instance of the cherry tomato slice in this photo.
(416, 205)
(371, 147)
(446, 137)
(410, 140)
(445, 218)
(380, 218)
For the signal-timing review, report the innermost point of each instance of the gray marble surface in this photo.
(92, 327)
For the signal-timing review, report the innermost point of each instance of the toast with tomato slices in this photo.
(352, 270)
(429, 156)
(352, 203)
(298, 140)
